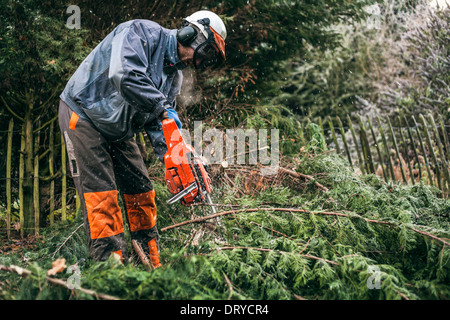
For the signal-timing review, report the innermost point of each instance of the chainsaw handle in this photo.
(171, 133)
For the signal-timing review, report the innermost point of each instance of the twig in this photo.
(230, 286)
(11, 111)
(402, 295)
(431, 236)
(67, 239)
(197, 220)
(203, 204)
(301, 175)
(25, 273)
(137, 247)
(307, 244)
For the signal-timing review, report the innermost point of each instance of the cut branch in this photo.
(67, 239)
(137, 247)
(305, 176)
(339, 214)
(25, 273)
(198, 220)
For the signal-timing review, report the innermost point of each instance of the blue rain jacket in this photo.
(127, 81)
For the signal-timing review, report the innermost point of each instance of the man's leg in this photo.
(92, 170)
(139, 197)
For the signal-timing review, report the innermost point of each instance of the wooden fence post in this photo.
(444, 134)
(344, 139)
(36, 184)
(365, 146)
(441, 150)
(380, 156)
(405, 147)
(422, 147)
(64, 179)
(352, 130)
(320, 126)
(51, 160)
(386, 149)
(8, 178)
(430, 148)
(394, 140)
(414, 147)
(333, 134)
(21, 177)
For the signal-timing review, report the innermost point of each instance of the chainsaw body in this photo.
(185, 175)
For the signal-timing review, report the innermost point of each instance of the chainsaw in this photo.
(186, 176)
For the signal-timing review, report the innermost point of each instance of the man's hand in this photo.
(164, 115)
(171, 114)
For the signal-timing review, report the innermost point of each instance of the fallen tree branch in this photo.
(137, 247)
(202, 219)
(25, 273)
(430, 235)
(305, 176)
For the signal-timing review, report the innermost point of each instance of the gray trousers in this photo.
(102, 172)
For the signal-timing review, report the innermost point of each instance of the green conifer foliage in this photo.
(363, 239)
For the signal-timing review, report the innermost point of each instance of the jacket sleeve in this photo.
(130, 58)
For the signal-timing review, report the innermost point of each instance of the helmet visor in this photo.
(207, 56)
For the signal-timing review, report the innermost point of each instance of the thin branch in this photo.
(431, 236)
(11, 111)
(67, 239)
(202, 219)
(137, 247)
(305, 176)
(25, 273)
(43, 154)
(52, 177)
(43, 105)
(45, 124)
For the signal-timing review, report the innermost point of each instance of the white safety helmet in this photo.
(211, 51)
(214, 21)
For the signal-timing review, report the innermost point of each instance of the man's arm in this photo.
(129, 63)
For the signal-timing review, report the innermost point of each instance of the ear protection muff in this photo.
(186, 35)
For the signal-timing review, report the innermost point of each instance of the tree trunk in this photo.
(8, 178)
(36, 184)
(27, 186)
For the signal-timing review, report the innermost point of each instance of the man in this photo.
(128, 83)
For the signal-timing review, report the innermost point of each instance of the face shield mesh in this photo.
(206, 51)
(206, 55)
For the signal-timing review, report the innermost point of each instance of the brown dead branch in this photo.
(305, 176)
(138, 249)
